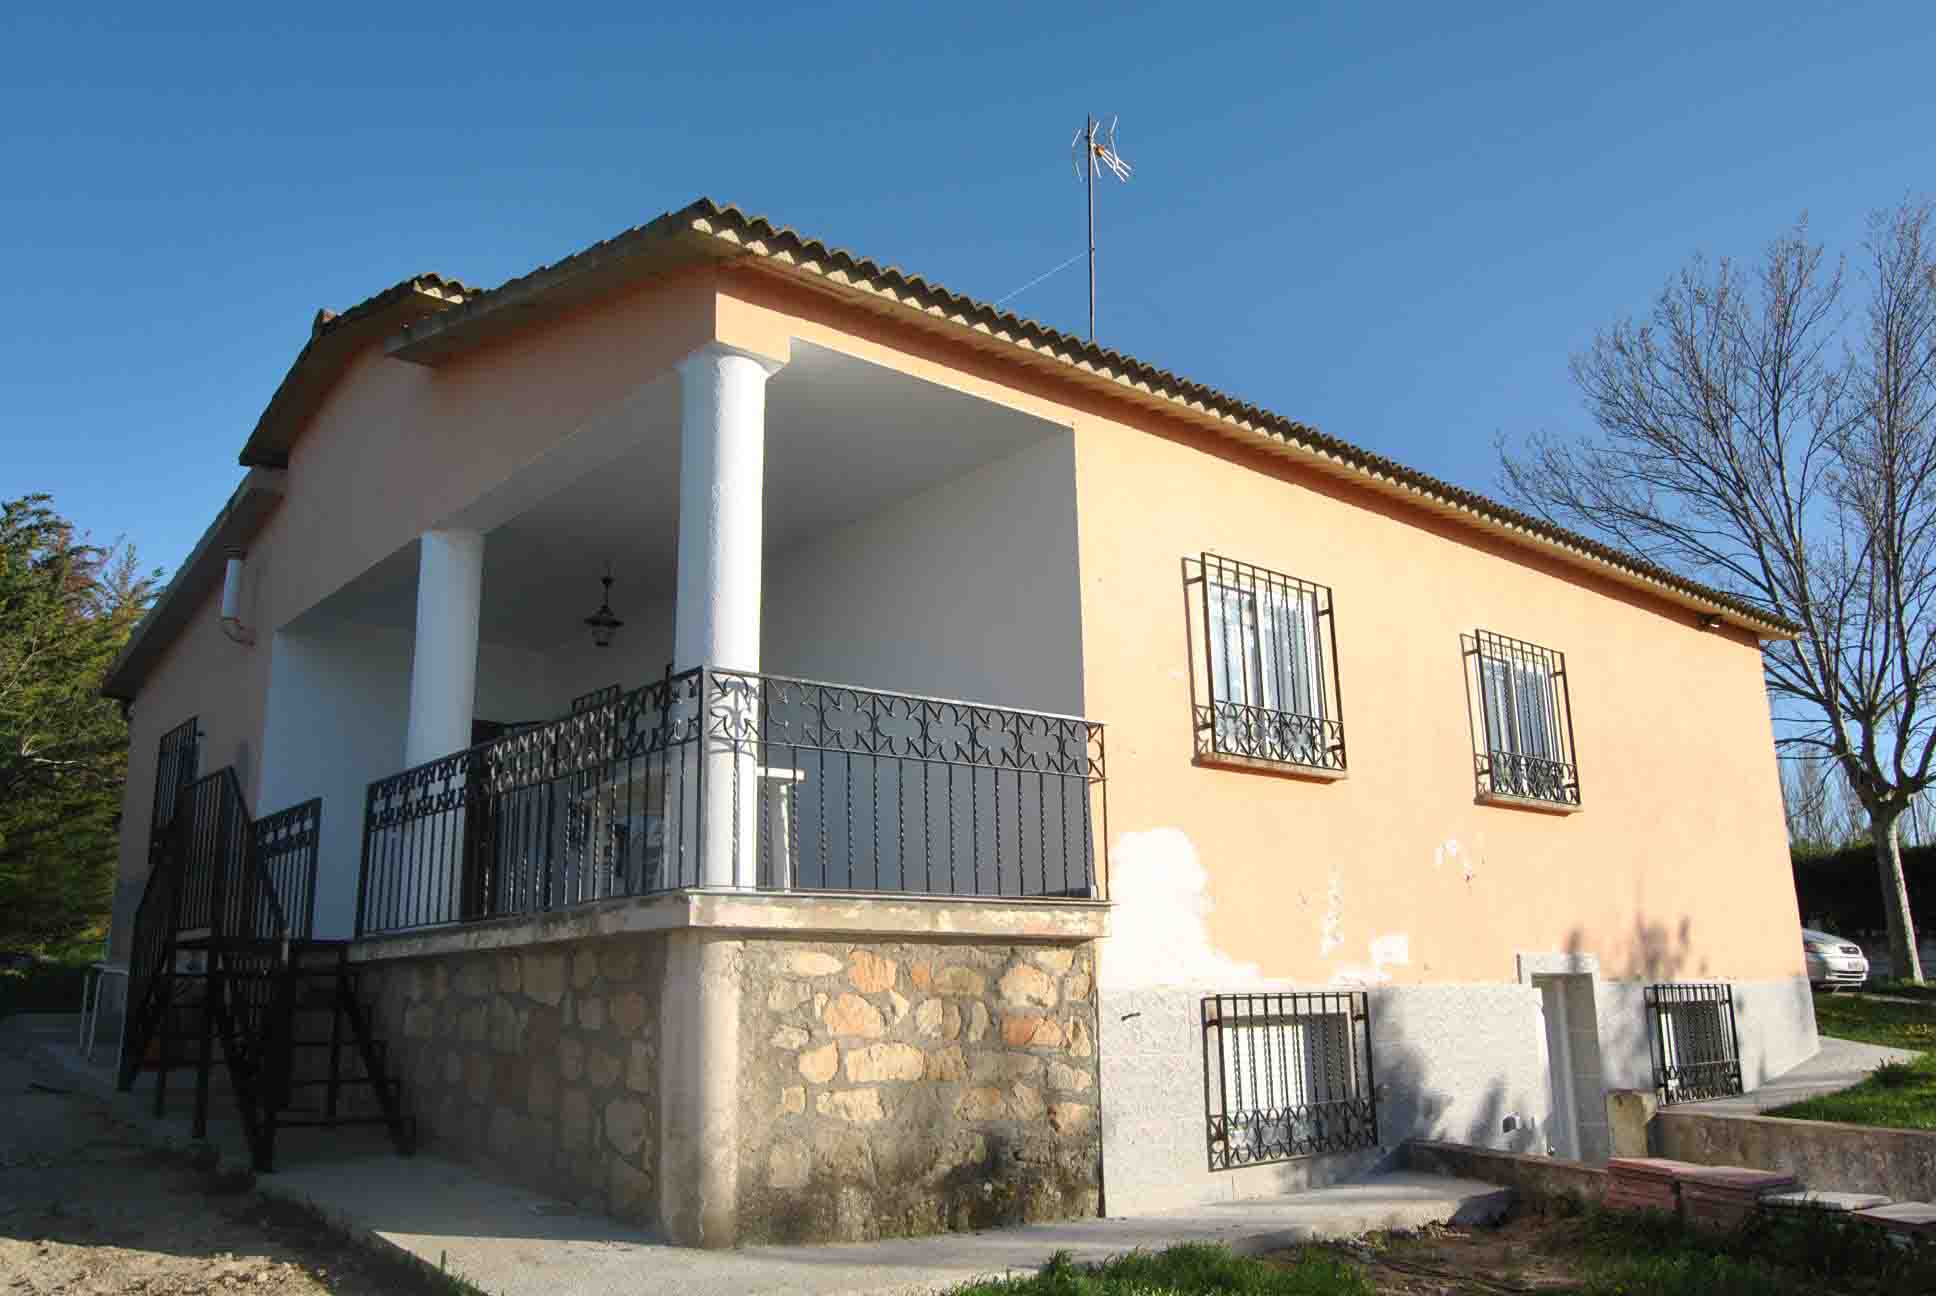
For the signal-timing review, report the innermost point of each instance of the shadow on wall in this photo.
(1469, 1063)
(1656, 951)
(1462, 1064)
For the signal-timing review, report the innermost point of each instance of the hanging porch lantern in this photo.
(602, 623)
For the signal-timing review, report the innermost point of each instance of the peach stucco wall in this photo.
(394, 450)
(202, 674)
(1676, 866)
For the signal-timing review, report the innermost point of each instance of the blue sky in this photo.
(1393, 222)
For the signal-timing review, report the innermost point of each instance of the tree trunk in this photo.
(1895, 900)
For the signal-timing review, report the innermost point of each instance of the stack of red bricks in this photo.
(1712, 1197)
(1721, 1198)
(1645, 1184)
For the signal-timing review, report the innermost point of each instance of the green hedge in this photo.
(45, 987)
(1842, 892)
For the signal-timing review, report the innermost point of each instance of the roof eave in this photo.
(248, 508)
(333, 342)
(706, 231)
(1257, 429)
(603, 270)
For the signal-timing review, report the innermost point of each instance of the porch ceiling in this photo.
(846, 439)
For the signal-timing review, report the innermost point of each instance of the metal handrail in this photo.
(611, 801)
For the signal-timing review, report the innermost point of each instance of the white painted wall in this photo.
(638, 654)
(967, 590)
(338, 697)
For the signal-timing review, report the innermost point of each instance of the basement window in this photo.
(1266, 689)
(1695, 1049)
(1286, 1076)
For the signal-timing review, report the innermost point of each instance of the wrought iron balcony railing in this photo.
(1264, 667)
(1510, 774)
(1521, 712)
(730, 778)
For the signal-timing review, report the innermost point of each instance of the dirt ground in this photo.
(1524, 1255)
(86, 1206)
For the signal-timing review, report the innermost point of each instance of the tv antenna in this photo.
(1094, 151)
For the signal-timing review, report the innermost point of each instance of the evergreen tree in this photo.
(66, 608)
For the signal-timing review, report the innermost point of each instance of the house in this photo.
(757, 743)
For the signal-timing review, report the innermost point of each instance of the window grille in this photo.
(1695, 1050)
(1267, 687)
(1522, 733)
(1287, 1076)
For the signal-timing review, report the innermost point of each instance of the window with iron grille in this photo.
(1267, 687)
(1286, 1076)
(1522, 731)
(1695, 1050)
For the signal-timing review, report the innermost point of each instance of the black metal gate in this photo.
(1287, 1075)
(1696, 1052)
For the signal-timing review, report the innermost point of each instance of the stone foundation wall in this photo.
(902, 1088)
(541, 1063)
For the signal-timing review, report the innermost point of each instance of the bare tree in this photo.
(1822, 813)
(1759, 434)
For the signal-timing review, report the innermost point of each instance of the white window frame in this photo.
(1519, 704)
(1266, 649)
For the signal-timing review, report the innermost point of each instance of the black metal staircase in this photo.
(224, 960)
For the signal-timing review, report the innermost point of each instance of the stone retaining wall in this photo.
(541, 1063)
(912, 1087)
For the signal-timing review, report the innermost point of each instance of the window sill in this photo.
(1284, 769)
(1534, 804)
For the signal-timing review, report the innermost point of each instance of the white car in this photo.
(1833, 961)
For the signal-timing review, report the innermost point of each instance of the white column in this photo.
(443, 665)
(716, 621)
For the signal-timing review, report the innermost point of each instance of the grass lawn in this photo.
(1899, 1096)
(1535, 1251)
(1858, 1017)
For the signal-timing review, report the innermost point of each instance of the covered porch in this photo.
(849, 661)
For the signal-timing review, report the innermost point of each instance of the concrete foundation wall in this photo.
(1454, 1063)
(540, 1064)
(1449, 1062)
(1534, 1176)
(1774, 1022)
(913, 1087)
(1897, 1163)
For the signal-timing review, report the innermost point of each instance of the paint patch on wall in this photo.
(1388, 951)
(1394, 950)
(1158, 933)
(1331, 934)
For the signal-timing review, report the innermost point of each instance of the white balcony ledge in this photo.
(815, 915)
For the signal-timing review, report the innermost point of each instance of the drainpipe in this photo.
(232, 600)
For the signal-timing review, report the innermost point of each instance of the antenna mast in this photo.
(1092, 150)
